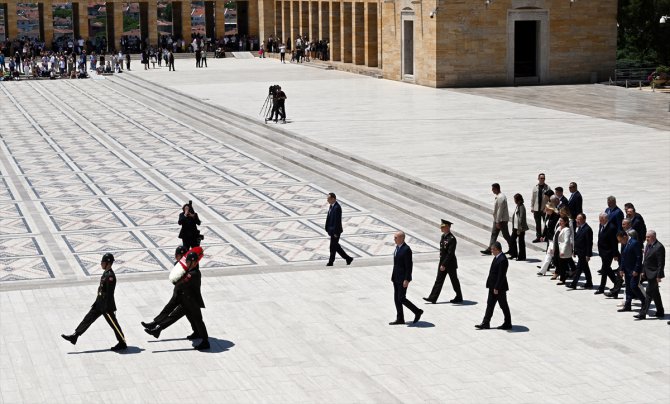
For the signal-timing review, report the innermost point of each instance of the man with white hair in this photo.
(653, 265)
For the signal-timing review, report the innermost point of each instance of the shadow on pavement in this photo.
(518, 328)
(421, 324)
(216, 346)
(128, 351)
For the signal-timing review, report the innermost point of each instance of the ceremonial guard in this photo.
(104, 305)
(448, 265)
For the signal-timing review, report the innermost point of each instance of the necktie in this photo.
(396, 250)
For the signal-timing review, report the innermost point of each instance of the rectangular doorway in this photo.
(526, 49)
(408, 48)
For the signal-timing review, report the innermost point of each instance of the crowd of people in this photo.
(561, 224)
(302, 49)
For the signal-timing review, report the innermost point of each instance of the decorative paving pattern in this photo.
(109, 175)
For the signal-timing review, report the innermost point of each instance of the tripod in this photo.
(266, 109)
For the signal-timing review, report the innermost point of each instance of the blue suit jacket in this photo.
(334, 220)
(615, 215)
(402, 264)
(498, 274)
(631, 257)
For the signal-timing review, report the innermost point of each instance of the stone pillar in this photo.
(286, 23)
(46, 12)
(324, 20)
(209, 19)
(252, 15)
(185, 21)
(144, 23)
(152, 21)
(80, 19)
(295, 22)
(220, 19)
(359, 33)
(266, 20)
(314, 21)
(371, 39)
(11, 19)
(345, 26)
(118, 26)
(176, 18)
(304, 18)
(335, 31)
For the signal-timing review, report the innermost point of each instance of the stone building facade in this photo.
(437, 43)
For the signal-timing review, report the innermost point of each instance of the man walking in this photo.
(537, 204)
(448, 265)
(401, 277)
(500, 218)
(583, 250)
(497, 285)
(607, 250)
(104, 305)
(653, 270)
(631, 268)
(334, 229)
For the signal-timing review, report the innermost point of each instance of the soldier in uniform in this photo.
(172, 305)
(190, 303)
(448, 265)
(104, 305)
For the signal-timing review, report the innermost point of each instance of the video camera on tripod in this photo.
(266, 109)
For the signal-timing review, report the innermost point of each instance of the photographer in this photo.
(278, 104)
(189, 221)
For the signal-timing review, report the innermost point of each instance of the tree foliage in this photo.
(641, 37)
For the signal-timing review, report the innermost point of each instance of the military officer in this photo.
(448, 265)
(104, 305)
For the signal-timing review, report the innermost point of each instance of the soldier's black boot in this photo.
(156, 332)
(119, 347)
(193, 336)
(203, 345)
(149, 325)
(72, 338)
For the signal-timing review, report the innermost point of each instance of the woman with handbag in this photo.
(565, 241)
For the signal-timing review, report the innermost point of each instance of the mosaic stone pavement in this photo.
(84, 170)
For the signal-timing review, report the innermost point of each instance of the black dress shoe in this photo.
(428, 300)
(350, 260)
(540, 274)
(330, 264)
(504, 327)
(149, 325)
(486, 252)
(659, 315)
(456, 300)
(561, 283)
(482, 326)
(612, 295)
(599, 292)
(520, 259)
(624, 308)
(537, 240)
(513, 257)
(119, 347)
(397, 322)
(417, 317)
(156, 332)
(203, 345)
(571, 286)
(192, 337)
(640, 316)
(72, 338)
(588, 286)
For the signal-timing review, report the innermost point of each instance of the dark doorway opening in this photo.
(525, 48)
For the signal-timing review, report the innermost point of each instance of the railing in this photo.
(631, 77)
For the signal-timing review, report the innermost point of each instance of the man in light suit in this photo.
(500, 218)
(497, 285)
(583, 250)
(537, 204)
(652, 269)
(401, 277)
(334, 229)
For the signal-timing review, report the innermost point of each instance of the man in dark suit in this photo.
(630, 268)
(448, 265)
(562, 200)
(636, 222)
(575, 200)
(104, 305)
(653, 270)
(614, 213)
(401, 277)
(497, 285)
(334, 229)
(583, 250)
(190, 302)
(607, 249)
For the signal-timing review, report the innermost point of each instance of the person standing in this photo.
(334, 229)
(448, 265)
(127, 61)
(653, 270)
(401, 277)
(189, 221)
(519, 228)
(281, 105)
(583, 251)
(630, 269)
(190, 299)
(607, 250)
(498, 287)
(537, 205)
(614, 212)
(636, 221)
(170, 61)
(104, 305)
(563, 248)
(575, 201)
(282, 53)
(500, 218)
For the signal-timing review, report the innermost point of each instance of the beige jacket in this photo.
(500, 210)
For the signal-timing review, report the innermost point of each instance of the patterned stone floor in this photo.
(85, 172)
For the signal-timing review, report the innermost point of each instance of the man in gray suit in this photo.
(500, 218)
(652, 269)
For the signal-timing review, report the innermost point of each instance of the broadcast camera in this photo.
(273, 89)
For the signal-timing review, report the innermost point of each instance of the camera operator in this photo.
(189, 221)
(279, 105)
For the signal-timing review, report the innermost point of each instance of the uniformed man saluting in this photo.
(104, 305)
(448, 265)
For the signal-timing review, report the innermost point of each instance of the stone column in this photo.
(144, 23)
(304, 18)
(266, 18)
(359, 33)
(314, 21)
(12, 21)
(286, 22)
(209, 19)
(220, 19)
(345, 26)
(371, 40)
(152, 21)
(335, 31)
(295, 22)
(324, 20)
(252, 15)
(186, 21)
(80, 19)
(46, 22)
(279, 28)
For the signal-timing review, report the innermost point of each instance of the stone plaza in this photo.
(94, 166)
